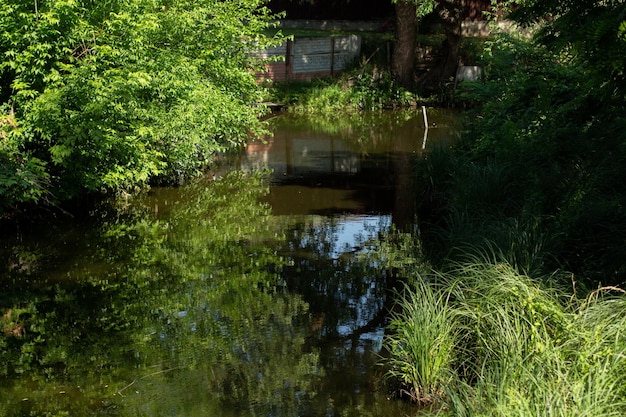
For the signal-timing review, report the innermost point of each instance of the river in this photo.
(259, 290)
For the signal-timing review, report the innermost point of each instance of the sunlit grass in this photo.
(423, 343)
(487, 340)
(365, 87)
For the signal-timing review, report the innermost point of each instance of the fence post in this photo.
(288, 60)
(332, 55)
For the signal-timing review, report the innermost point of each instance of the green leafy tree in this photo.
(590, 32)
(109, 96)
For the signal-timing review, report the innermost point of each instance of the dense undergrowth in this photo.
(538, 175)
(524, 224)
(365, 88)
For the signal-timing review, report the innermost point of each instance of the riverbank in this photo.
(524, 226)
(481, 338)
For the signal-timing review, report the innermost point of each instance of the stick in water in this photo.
(425, 127)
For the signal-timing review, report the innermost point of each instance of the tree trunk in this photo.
(403, 61)
(450, 13)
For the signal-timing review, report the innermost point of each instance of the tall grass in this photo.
(568, 379)
(489, 341)
(423, 342)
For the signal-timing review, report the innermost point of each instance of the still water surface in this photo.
(258, 291)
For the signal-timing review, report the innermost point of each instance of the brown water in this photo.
(248, 294)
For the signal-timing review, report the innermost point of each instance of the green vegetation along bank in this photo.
(483, 339)
(110, 96)
(524, 222)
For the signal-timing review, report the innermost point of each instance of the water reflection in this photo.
(243, 296)
(350, 164)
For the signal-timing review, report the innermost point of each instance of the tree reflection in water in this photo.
(182, 315)
(210, 299)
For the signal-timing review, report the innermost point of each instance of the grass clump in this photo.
(423, 343)
(364, 88)
(483, 339)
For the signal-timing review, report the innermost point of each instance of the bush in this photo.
(110, 97)
(543, 157)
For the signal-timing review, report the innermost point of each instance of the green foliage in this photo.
(23, 178)
(422, 343)
(114, 95)
(36, 45)
(513, 345)
(588, 30)
(424, 7)
(538, 359)
(22, 181)
(508, 317)
(545, 152)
